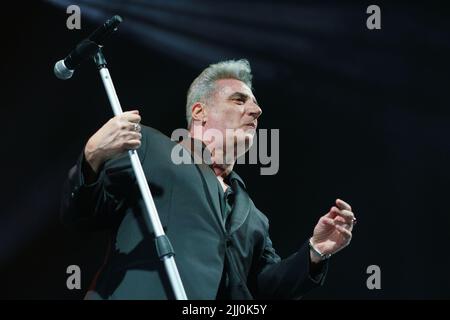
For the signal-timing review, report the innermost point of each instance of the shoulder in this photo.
(156, 146)
(261, 216)
(258, 214)
(150, 132)
(155, 139)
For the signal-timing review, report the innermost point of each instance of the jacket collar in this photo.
(202, 158)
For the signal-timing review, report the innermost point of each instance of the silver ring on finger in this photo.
(136, 127)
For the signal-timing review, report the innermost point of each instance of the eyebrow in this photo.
(241, 95)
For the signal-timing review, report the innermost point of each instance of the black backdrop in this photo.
(363, 115)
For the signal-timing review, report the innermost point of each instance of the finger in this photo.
(340, 220)
(133, 127)
(131, 117)
(333, 212)
(135, 118)
(343, 222)
(132, 144)
(132, 111)
(347, 234)
(347, 215)
(128, 136)
(327, 221)
(121, 123)
(132, 135)
(343, 205)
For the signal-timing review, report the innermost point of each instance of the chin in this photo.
(249, 136)
(243, 142)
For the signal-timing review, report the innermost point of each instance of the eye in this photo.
(239, 101)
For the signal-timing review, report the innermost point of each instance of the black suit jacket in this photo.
(187, 200)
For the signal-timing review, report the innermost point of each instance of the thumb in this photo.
(132, 111)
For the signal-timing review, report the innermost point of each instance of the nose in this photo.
(254, 110)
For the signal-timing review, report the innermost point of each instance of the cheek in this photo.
(232, 117)
(225, 116)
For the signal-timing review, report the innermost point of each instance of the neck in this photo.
(222, 170)
(222, 163)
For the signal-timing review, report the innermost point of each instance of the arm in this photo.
(304, 270)
(289, 278)
(85, 200)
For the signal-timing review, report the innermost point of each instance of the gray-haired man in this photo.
(223, 249)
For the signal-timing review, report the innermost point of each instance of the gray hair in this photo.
(203, 86)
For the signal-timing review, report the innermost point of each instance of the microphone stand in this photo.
(162, 242)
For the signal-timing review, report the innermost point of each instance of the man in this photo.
(223, 249)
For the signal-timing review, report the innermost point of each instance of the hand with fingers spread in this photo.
(118, 135)
(333, 232)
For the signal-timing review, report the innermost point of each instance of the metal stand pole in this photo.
(163, 245)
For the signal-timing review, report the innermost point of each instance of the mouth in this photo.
(251, 125)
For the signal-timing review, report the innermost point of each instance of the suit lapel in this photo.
(208, 177)
(210, 180)
(241, 205)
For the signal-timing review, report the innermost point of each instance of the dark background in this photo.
(363, 115)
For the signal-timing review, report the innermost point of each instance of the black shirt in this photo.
(226, 206)
(226, 203)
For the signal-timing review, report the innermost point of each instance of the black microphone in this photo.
(64, 68)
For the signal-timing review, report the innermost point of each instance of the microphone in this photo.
(65, 68)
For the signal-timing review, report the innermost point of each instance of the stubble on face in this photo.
(228, 112)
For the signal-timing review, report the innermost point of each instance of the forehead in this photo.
(226, 87)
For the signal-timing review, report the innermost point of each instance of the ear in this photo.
(199, 112)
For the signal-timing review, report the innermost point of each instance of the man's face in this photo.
(233, 106)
